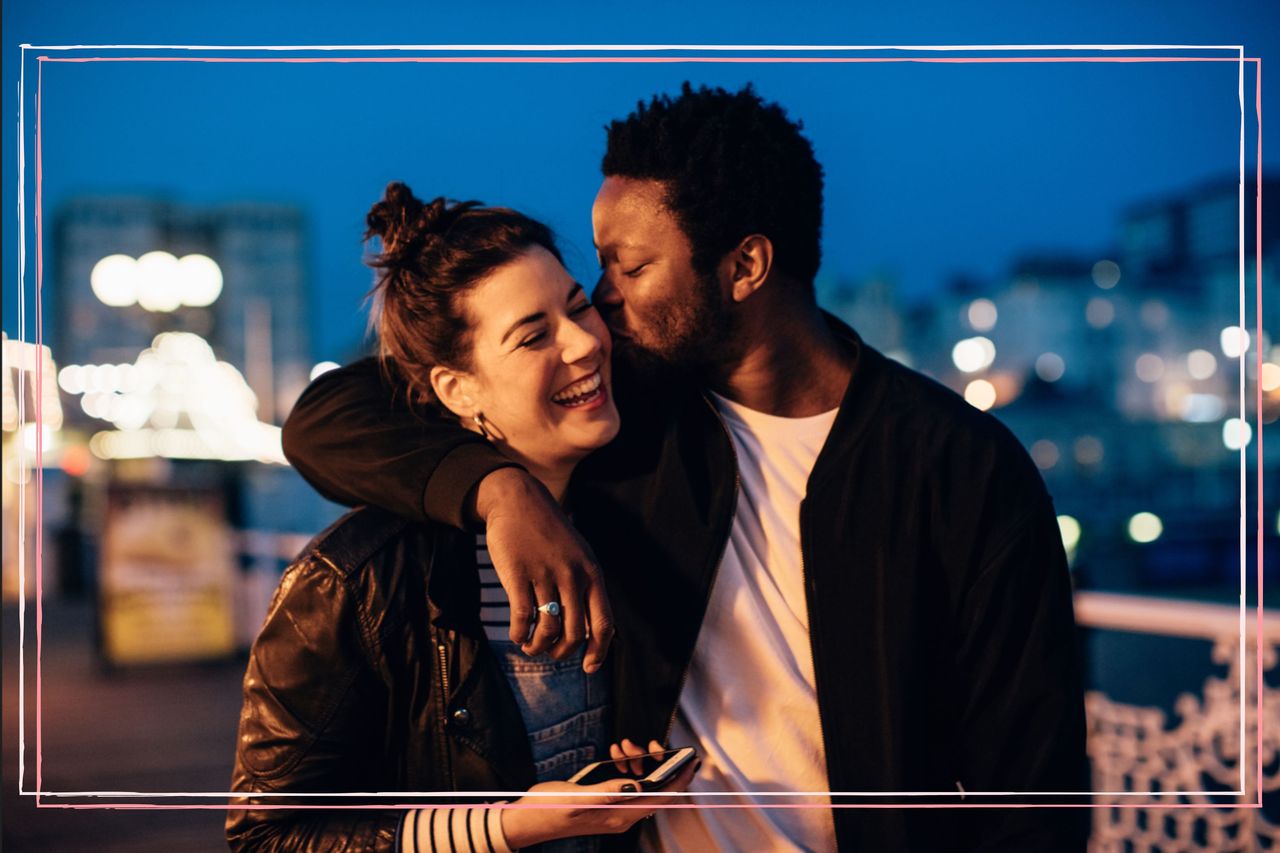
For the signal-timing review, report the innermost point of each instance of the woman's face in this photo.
(540, 372)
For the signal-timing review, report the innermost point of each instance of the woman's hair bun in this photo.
(403, 222)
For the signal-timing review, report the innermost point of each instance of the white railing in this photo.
(1200, 752)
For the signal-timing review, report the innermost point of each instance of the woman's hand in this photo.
(583, 809)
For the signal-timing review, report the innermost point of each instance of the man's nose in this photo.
(606, 296)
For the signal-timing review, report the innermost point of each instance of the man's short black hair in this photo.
(734, 166)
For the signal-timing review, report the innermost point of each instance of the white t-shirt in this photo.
(750, 704)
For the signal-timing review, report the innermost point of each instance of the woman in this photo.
(383, 664)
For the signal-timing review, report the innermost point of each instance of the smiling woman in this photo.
(384, 663)
(479, 316)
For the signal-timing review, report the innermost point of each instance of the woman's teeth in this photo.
(581, 392)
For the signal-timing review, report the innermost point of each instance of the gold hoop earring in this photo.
(478, 417)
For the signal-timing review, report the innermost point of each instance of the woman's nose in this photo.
(579, 342)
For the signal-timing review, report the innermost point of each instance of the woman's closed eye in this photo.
(533, 340)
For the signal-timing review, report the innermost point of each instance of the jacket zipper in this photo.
(810, 595)
(442, 660)
(724, 545)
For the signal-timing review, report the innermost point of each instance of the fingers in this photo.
(547, 627)
(522, 612)
(573, 624)
(630, 750)
(624, 790)
(600, 618)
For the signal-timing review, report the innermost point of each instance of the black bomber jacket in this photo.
(371, 674)
(939, 599)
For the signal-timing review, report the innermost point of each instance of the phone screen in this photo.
(621, 769)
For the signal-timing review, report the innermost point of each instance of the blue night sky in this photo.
(932, 170)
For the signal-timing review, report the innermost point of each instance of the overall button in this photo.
(462, 718)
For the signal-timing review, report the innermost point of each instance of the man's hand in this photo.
(539, 558)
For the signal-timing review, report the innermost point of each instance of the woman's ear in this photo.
(453, 389)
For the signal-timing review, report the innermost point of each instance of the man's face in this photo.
(661, 312)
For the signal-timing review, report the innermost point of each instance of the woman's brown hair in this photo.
(431, 254)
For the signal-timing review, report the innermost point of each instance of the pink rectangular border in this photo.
(1257, 62)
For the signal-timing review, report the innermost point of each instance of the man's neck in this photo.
(793, 367)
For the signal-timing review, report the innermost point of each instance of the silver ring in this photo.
(551, 608)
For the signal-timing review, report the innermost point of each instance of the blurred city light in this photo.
(199, 280)
(32, 363)
(1045, 454)
(1269, 379)
(1050, 367)
(322, 368)
(1070, 530)
(1145, 527)
(1202, 408)
(1106, 274)
(1149, 367)
(1155, 314)
(982, 315)
(1088, 450)
(46, 434)
(177, 378)
(157, 277)
(1236, 434)
(980, 394)
(1099, 312)
(1234, 341)
(973, 354)
(157, 281)
(1201, 364)
(114, 281)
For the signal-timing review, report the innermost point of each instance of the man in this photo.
(828, 572)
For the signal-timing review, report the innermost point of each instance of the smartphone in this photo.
(656, 768)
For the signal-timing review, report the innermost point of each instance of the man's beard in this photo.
(686, 339)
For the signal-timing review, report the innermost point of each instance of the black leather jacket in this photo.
(371, 674)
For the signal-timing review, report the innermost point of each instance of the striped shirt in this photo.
(453, 829)
(495, 608)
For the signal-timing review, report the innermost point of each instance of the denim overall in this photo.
(565, 712)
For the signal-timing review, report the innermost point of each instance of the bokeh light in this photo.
(973, 354)
(114, 280)
(1149, 367)
(1201, 364)
(158, 287)
(1050, 367)
(1236, 434)
(982, 315)
(1099, 312)
(1070, 530)
(199, 280)
(1145, 527)
(322, 368)
(1234, 341)
(980, 394)
(1106, 274)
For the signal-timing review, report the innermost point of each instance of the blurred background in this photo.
(1060, 243)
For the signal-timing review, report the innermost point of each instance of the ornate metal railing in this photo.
(1200, 751)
